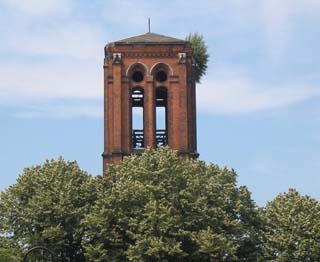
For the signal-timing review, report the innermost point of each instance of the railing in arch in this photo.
(137, 138)
(161, 137)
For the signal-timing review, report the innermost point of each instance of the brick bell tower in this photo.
(149, 97)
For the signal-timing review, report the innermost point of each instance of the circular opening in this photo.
(161, 76)
(137, 76)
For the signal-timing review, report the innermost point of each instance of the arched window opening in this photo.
(161, 71)
(137, 72)
(137, 102)
(137, 76)
(161, 76)
(161, 116)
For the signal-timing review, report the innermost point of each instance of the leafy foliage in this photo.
(45, 207)
(9, 250)
(200, 54)
(159, 207)
(292, 228)
(153, 207)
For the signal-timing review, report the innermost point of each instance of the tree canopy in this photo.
(292, 231)
(159, 207)
(45, 207)
(153, 207)
(200, 54)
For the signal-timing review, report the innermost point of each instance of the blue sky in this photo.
(258, 106)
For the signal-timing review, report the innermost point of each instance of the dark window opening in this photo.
(137, 76)
(161, 116)
(137, 101)
(161, 76)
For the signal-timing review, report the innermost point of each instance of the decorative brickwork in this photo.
(148, 71)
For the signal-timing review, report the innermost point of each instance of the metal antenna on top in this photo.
(149, 24)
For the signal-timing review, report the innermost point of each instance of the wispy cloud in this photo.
(278, 20)
(61, 58)
(56, 108)
(237, 95)
(61, 79)
(74, 40)
(37, 7)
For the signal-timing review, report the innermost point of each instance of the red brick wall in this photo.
(117, 98)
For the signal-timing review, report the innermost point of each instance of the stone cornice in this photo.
(149, 54)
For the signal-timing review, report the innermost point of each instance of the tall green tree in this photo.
(160, 207)
(292, 228)
(45, 207)
(200, 54)
(9, 250)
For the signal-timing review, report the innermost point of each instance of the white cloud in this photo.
(236, 95)
(47, 36)
(26, 82)
(75, 40)
(275, 16)
(227, 94)
(57, 110)
(37, 7)
(171, 16)
(278, 18)
(48, 63)
(80, 74)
